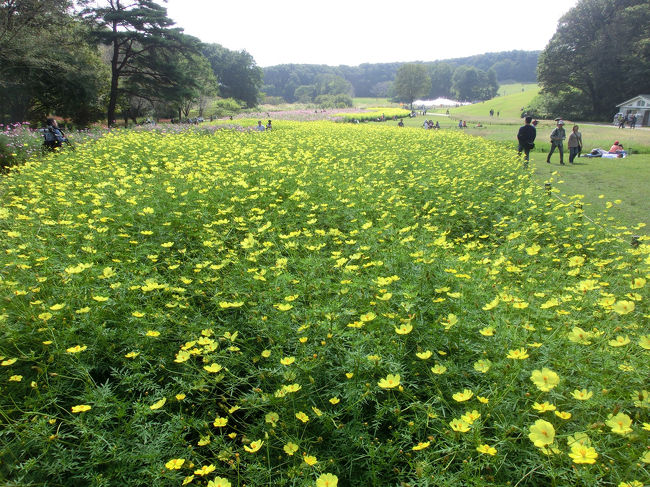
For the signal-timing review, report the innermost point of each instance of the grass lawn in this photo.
(509, 106)
(615, 179)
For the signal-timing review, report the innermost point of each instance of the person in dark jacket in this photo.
(53, 135)
(526, 137)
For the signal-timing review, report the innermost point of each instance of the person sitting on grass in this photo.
(617, 149)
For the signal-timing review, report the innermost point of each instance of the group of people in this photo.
(527, 134)
(428, 124)
(630, 120)
(526, 138)
(261, 128)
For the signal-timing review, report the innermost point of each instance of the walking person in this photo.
(557, 141)
(526, 137)
(574, 144)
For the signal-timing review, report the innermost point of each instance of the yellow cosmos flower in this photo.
(466, 395)
(132, 354)
(290, 448)
(482, 365)
(637, 283)
(391, 381)
(582, 454)
(266, 353)
(327, 480)
(459, 425)
(76, 349)
(334, 400)
(365, 318)
(542, 433)
(404, 329)
(205, 470)
(220, 422)
(486, 449)
(283, 306)
(582, 395)
(563, 414)
(544, 407)
(545, 379)
(310, 460)
(254, 446)
(15, 378)
(183, 356)
(152, 333)
(488, 331)
(302, 416)
(620, 424)
(518, 354)
(287, 360)
(439, 369)
(7, 362)
(272, 418)
(421, 446)
(158, 404)
(423, 355)
(137, 314)
(180, 397)
(623, 307)
(645, 458)
(219, 482)
(175, 464)
(213, 368)
(81, 408)
(226, 304)
(619, 341)
(578, 335)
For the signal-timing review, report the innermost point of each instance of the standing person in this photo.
(400, 123)
(557, 140)
(269, 126)
(633, 121)
(574, 144)
(526, 137)
(260, 127)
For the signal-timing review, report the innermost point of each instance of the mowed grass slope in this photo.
(320, 304)
(508, 105)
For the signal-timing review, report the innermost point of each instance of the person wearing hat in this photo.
(616, 148)
(557, 140)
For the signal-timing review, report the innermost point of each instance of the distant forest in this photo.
(291, 81)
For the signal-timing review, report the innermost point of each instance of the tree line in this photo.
(86, 60)
(599, 56)
(468, 79)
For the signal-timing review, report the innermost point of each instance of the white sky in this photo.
(352, 32)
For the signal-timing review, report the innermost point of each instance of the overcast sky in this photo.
(352, 32)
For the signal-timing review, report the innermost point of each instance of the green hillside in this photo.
(511, 99)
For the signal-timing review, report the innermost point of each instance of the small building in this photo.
(639, 106)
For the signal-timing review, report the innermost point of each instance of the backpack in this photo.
(53, 135)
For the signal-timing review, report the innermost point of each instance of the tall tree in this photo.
(471, 84)
(411, 82)
(600, 54)
(140, 34)
(237, 73)
(47, 63)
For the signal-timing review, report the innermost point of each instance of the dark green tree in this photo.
(441, 74)
(47, 63)
(142, 38)
(600, 55)
(411, 82)
(238, 75)
(472, 84)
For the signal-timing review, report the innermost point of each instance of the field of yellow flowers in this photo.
(322, 304)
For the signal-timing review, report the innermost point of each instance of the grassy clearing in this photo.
(509, 107)
(318, 304)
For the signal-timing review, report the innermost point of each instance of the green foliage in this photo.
(411, 82)
(236, 72)
(472, 84)
(601, 52)
(144, 48)
(197, 293)
(47, 64)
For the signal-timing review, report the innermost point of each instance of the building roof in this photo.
(626, 102)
